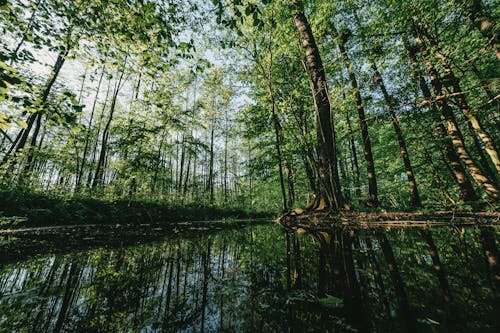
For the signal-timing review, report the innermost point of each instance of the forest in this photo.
(147, 145)
(267, 105)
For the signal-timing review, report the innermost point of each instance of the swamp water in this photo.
(262, 279)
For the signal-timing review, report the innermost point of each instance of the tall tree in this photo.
(329, 194)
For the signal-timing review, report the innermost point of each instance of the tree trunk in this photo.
(473, 119)
(453, 86)
(466, 190)
(290, 183)
(453, 129)
(483, 159)
(414, 195)
(277, 143)
(329, 194)
(90, 174)
(372, 200)
(89, 128)
(35, 119)
(210, 183)
(355, 164)
(99, 173)
(226, 133)
(31, 22)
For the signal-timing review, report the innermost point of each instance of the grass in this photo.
(51, 210)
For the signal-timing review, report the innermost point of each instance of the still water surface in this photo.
(262, 279)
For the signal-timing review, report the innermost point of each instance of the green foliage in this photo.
(143, 104)
(45, 210)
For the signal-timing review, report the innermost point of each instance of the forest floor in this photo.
(24, 209)
(324, 220)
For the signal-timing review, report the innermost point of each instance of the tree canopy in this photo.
(271, 104)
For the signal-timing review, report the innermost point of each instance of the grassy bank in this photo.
(52, 210)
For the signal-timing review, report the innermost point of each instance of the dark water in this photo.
(260, 279)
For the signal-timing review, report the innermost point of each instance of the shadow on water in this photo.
(263, 279)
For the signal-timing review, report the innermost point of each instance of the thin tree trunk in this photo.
(372, 200)
(22, 138)
(99, 173)
(89, 128)
(31, 22)
(277, 134)
(210, 184)
(290, 183)
(414, 195)
(90, 173)
(226, 134)
(355, 163)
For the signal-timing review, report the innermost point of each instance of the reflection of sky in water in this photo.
(243, 280)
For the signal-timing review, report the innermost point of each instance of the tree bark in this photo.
(99, 173)
(412, 183)
(372, 200)
(329, 194)
(466, 189)
(89, 127)
(453, 130)
(453, 86)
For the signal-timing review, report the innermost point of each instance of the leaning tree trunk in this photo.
(453, 86)
(29, 27)
(61, 58)
(329, 193)
(88, 132)
(466, 189)
(99, 173)
(35, 118)
(412, 183)
(474, 120)
(454, 131)
(372, 200)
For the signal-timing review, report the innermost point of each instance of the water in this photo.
(261, 279)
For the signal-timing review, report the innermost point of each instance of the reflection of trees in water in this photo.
(191, 283)
(262, 279)
(398, 279)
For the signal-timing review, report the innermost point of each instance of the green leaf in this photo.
(331, 302)
(21, 123)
